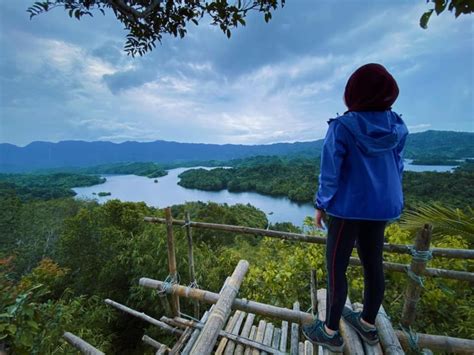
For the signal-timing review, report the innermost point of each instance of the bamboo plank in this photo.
(230, 347)
(295, 333)
(308, 348)
(83, 346)
(352, 343)
(300, 348)
(392, 248)
(253, 334)
(369, 349)
(144, 317)
(276, 338)
(240, 304)
(181, 322)
(217, 317)
(267, 338)
(228, 328)
(284, 335)
(388, 338)
(321, 296)
(262, 325)
(239, 350)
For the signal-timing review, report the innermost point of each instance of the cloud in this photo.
(272, 82)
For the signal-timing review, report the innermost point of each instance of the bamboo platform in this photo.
(242, 334)
(245, 327)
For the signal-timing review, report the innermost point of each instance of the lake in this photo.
(167, 192)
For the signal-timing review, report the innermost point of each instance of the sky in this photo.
(63, 79)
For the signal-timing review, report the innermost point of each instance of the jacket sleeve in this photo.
(400, 150)
(332, 156)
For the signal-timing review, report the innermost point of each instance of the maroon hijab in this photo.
(370, 88)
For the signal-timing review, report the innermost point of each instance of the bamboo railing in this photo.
(298, 237)
(420, 252)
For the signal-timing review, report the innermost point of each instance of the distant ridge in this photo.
(46, 155)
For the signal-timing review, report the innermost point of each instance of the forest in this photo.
(297, 179)
(60, 257)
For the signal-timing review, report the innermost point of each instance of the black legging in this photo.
(342, 234)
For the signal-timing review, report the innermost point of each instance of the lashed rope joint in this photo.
(418, 279)
(420, 255)
(168, 284)
(413, 338)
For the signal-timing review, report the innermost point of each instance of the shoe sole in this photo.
(336, 349)
(368, 341)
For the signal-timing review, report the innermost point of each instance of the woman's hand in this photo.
(319, 218)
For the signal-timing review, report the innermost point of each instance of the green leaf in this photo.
(425, 18)
(440, 6)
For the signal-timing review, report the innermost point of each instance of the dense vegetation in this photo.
(148, 169)
(297, 179)
(65, 256)
(60, 257)
(44, 186)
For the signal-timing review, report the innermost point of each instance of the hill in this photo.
(47, 155)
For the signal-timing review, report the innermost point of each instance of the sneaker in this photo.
(369, 334)
(316, 334)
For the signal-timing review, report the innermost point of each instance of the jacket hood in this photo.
(375, 132)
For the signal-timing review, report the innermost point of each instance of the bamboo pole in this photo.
(391, 248)
(295, 332)
(206, 340)
(176, 349)
(432, 272)
(388, 338)
(152, 342)
(194, 336)
(83, 346)
(352, 343)
(252, 344)
(192, 274)
(243, 305)
(414, 288)
(144, 317)
(239, 350)
(172, 259)
(369, 349)
(439, 343)
(314, 290)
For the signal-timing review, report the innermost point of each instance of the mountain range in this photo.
(47, 155)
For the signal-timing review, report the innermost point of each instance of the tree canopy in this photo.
(148, 20)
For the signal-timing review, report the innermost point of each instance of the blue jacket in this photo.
(362, 166)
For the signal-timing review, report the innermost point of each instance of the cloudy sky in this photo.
(61, 79)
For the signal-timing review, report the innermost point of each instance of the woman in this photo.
(360, 189)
